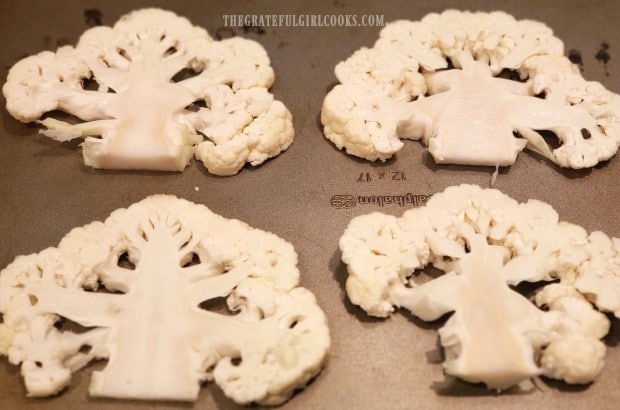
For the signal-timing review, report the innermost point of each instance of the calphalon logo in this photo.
(349, 201)
(343, 201)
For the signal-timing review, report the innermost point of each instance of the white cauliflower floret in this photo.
(158, 263)
(579, 318)
(486, 241)
(373, 135)
(599, 277)
(287, 365)
(396, 73)
(52, 81)
(574, 359)
(246, 126)
(144, 114)
(378, 238)
(6, 338)
(440, 80)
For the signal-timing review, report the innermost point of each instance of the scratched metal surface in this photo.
(45, 190)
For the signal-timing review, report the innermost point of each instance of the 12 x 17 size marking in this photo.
(385, 176)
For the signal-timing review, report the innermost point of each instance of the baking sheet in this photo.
(46, 190)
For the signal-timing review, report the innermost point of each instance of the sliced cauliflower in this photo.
(127, 84)
(142, 286)
(441, 80)
(485, 242)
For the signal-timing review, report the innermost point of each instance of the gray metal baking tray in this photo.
(46, 190)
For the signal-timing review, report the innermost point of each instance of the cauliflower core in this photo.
(486, 242)
(127, 83)
(142, 286)
(444, 80)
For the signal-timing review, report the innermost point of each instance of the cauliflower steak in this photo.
(445, 80)
(485, 242)
(140, 285)
(152, 91)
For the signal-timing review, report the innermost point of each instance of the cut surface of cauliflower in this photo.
(485, 243)
(443, 80)
(142, 289)
(128, 85)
